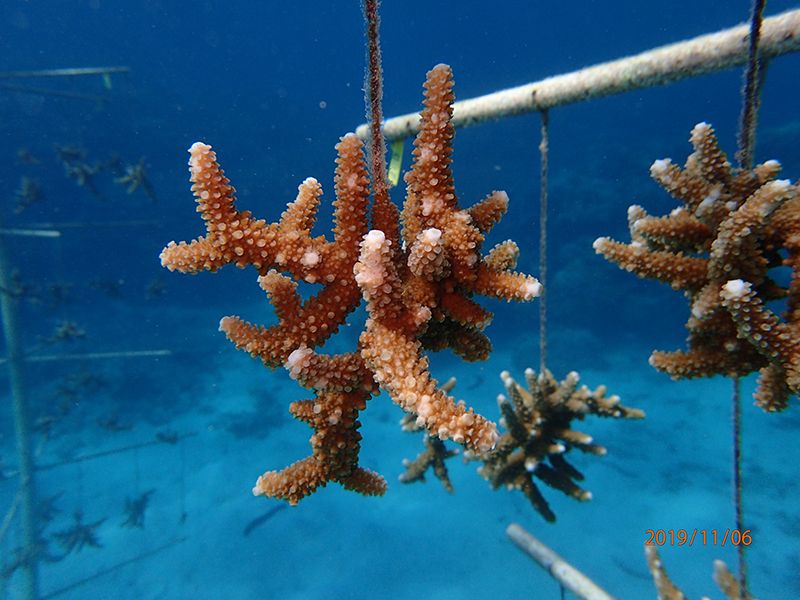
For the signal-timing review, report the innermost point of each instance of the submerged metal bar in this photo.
(69, 72)
(567, 575)
(704, 54)
(94, 356)
(39, 91)
(29, 586)
(46, 233)
(168, 440)
(96, 224)
(115, 567)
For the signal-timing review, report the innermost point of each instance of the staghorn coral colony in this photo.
(418, 281)
(538, 422)
(721, 247)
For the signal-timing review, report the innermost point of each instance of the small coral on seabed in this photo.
(28, 193)
(80, 535)
(432, 457)
(418, 282)
(667, 590)
(720, 247)
(135, 509)
(538, 422)
(135, 177)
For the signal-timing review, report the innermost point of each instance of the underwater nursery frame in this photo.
(419, 269)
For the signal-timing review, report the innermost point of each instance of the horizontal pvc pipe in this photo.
(567, 575)
(704, 54)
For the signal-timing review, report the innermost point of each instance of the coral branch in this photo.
(538, 423)
(719, 247)
(419, 295)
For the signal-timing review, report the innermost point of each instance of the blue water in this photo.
(272, 86)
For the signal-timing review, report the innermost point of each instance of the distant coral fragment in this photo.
(667, 590)
(432, 457)
(538, 422)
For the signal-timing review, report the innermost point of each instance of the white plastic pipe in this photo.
(559, 569)
(704, 54)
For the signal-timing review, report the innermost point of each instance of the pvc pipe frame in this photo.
(568, 576)
(28, 588)
(704, 54)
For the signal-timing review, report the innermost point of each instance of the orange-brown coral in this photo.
(428, 284)
(730, 226)
(418, 294)
(667, 590)
(538, 423)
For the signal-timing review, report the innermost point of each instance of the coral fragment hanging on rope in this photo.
(418, 284)
(734, 226)
(538, 422)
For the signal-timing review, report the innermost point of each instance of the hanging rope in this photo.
(751, 91)
(751, 100)
(737, 481)
(182, 484)
(544, 152)
(385, 215)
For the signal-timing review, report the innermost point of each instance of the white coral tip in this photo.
(199, 147)
(660, 166)
(780, 185)
(374, 238)
(432, 235)
(532, 289)
(735, 289)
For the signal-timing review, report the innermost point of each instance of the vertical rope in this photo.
(373, 90)
(29, 587)
(751, 95)
(751, 90)
(182, 482)
(737, 481)
(385, 215)
(136, 471)
(544, 152)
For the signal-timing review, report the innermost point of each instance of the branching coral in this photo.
(433, 456)
(419, 294)
(733, 224)
(777, 340)
(538, 422)
(667, 590)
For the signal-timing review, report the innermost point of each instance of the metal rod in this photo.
(84, 457)
(29, 586)
(45, 233)
(38, 91)
(567, 575)
(704, 54)
(95, 224)
(94, 355)
(112, 568)
(69, 72)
